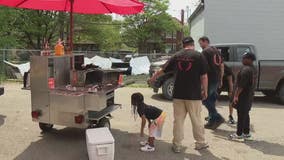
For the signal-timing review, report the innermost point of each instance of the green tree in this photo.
(28, 28)
(98, 29)
(150, 26)
(20, 28)
(35, 27)
(8, 36)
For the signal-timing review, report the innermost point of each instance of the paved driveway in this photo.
(21, 139)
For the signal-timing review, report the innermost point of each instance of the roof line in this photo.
(199, 8)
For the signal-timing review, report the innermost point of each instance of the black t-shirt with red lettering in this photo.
(188, 66)
(214, 59)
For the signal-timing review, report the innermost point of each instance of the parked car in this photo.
(270, 78)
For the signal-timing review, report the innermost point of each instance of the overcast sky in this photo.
(176, 6)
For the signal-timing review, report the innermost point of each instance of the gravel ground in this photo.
(21, 139)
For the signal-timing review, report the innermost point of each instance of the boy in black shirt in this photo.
(243, 97)
(153, 115)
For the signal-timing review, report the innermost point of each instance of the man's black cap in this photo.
(249, 55)
(188, 40)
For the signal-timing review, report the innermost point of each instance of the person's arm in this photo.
(204, 76)
(222, 68)
(156, 75)
(143, 124)
(168, 67)
(204, 85)
(149, 123)
(231, 85)
(237, 94)
(241, 84)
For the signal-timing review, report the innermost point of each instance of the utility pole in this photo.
(182, 17)
(180, 36)
(187, 12)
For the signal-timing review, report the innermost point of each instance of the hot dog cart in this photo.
(80, 97)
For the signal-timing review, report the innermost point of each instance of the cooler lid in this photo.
(99, 136)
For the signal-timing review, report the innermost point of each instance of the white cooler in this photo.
(100, 144)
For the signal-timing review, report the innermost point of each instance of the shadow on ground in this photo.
(64, 144)
(127, 148)
(2, 119)
(69, 144)
(265, 147)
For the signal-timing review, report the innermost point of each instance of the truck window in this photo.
(241, 50)
(225, 52)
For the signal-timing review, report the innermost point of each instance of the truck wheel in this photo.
(168, 88)
(45, 127)
(269, 93)
(281, 93)
(104, 122)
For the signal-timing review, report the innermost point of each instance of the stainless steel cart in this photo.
(81, 98)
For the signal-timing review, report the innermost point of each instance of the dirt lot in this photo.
(21, 139)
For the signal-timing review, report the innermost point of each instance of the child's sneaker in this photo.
(231, 120)
(147, 148)
(247, 137)
(143, 143)
(235, 137)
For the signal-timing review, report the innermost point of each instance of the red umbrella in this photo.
(78, 6)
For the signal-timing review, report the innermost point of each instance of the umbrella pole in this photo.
(71, 33)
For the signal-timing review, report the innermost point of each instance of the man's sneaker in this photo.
(247, 137)
(176, 149)
(209, 125)
(235, 137)
(147, 148)
(201, 146)
(143, 143)
(231, 120)
(214, 125)
(218, 122)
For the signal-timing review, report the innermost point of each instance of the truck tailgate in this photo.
(270, 73)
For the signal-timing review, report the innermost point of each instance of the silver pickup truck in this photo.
(270, 79)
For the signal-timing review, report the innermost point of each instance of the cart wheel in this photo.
(104, 122)
(45, 127)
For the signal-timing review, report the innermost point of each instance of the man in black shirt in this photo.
(243, 97)
(228, 81)
(190, 88)
(215, 76)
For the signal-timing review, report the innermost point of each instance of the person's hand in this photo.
(235, 100)
(152, 79)
(204, 95)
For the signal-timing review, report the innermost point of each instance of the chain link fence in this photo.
(22, 56)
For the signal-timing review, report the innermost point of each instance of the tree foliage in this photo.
(100, 29)
(20, 28)
(7, 34)
(28, 28)
(149, 26)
